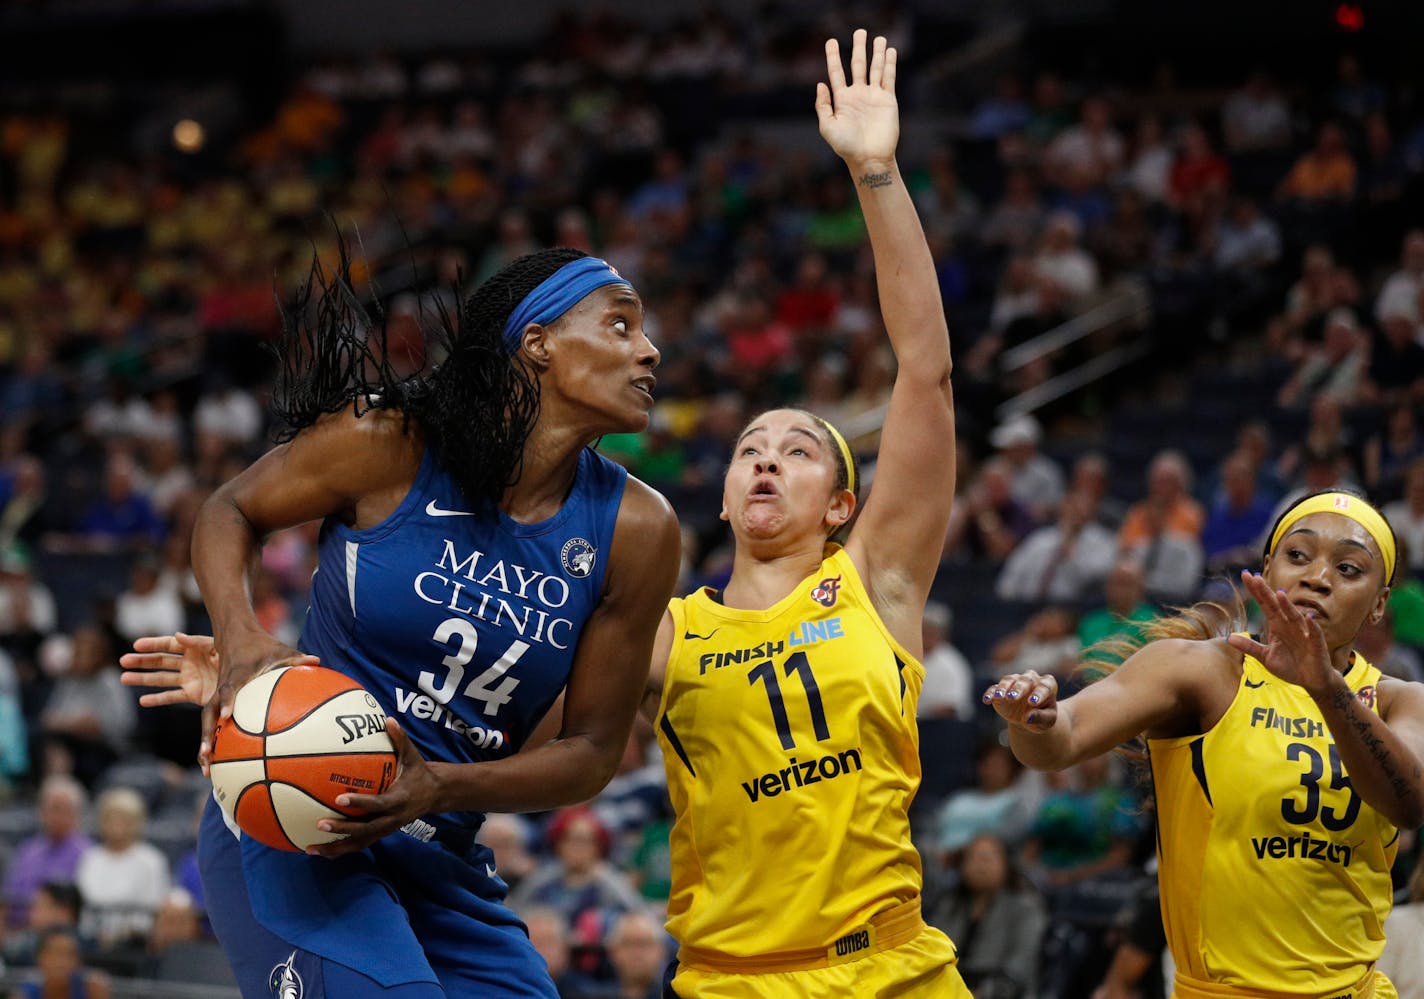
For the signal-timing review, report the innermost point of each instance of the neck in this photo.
(764, 573)
(550, 463)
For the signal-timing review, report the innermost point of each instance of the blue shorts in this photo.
(403, 919)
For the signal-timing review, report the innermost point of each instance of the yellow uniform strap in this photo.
(1190, 988)
(884, 931)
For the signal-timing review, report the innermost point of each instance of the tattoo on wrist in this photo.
(875, 179)
(1359, 719)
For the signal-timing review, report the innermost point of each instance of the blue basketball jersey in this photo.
(463, 627)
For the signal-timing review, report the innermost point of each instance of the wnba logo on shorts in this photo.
(826, 591)
(284, 981)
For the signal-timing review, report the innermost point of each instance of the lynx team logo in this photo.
(826, 591)
(578, 557)
(284, 981)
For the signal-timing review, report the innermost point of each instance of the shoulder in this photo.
(380, 446)
(1400, 699)
(1202, 669)
(646, 511)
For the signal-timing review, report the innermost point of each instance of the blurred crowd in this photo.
(1263, 220)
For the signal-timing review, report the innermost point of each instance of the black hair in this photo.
(64, 894)
(476, 408)
(1348, 491)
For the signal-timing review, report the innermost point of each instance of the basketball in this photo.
(298, 737)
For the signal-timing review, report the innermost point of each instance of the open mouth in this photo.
(645, 384)
(1311, 608)
(762, 489)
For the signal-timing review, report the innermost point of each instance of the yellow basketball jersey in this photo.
(789, 739)
(1274, 873)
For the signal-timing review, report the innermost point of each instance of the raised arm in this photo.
(1162, 689)
(356, 469)
(896, 541)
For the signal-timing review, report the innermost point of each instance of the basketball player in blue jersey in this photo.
(477, 559)
(1284, 767)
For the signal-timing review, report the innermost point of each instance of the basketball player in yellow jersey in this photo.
(1284, 768)
(785, 704)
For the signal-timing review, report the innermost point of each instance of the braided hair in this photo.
(476, 409)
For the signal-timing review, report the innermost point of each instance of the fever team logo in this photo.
(826, 591)
(1367, 696)
(578, 557)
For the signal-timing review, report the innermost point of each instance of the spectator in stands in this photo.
(1326, 435)
(1323, 175)
(1162, 532)
(1135, 971)
(1247, 240)
(24, 516)
(1406, 516)
(177, 926)
(1395, 376)
(1090, 479)
(1198, 169)
(1047, 643)
(124, 517)
(1400, 293)
(1337, 369)
(1013, 223)
(1126, 610)
(1237, 520)
(1377, 643)
(14, 733)
(1061, 262)
(1089, 152)
(123, 878)
(1085, 827)
(62, 971)
(509, 837)
(1149, 165)
(88, 717)
(1002, 802)
(549, 933)
(1037, 481)
(52, 854)
(1064, 562)
(997, 920)
(638, 950)
(580, 880)
(1390, 453)
(145, 607)
(948, 688)
(986, 521)
(1256, 118)
(56, 905)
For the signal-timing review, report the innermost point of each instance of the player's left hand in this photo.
(860, 120)
(1295, 650)
(413, 794)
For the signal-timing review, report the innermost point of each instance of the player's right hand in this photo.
(1026, 699)
(239, 660)
(185, 666)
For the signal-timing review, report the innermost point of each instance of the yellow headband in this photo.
(845, 454)
(1346, 506)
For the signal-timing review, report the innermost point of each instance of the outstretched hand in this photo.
(1028, 700)
(860, 120)
(186, 665)
(1296, 651)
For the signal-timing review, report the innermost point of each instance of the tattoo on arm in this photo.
(875, 179)
(1358, 719)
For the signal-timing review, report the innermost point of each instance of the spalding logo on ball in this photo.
(298, 737)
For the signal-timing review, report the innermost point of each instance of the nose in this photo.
(649, 356)
(766, 466)
(1317, 576)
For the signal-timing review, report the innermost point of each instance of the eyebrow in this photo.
(1344, 541)
(625, 296)
(795, 430)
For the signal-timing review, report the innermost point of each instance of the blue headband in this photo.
(556, 294)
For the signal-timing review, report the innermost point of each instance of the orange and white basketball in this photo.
(298, 737)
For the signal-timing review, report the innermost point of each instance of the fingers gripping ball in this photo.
(298, 737)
